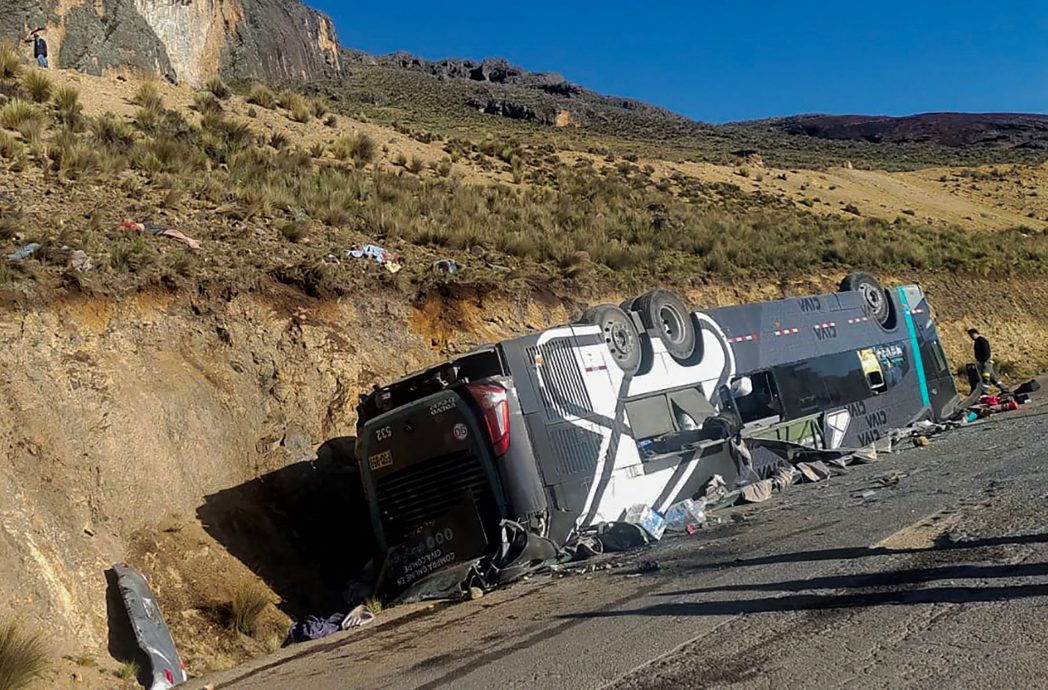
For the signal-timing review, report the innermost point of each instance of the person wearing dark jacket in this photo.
(984, 362)
(40, 51)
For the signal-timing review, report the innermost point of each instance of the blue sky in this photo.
(722, 61)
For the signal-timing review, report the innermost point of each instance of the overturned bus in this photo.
(566, 428)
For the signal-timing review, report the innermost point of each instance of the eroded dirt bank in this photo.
(170, 431)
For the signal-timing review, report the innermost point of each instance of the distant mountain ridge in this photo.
(1006, 130)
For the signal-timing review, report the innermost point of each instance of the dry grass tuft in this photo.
(23, 656)
(148, 96)
(218, 88)
(36, 85)
(70, 112)
(249, 601)
(262, 96)
(10, 62)
(357, 146)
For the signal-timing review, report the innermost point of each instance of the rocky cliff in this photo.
(184, 40)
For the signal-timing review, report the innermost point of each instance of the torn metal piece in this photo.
(150, 629)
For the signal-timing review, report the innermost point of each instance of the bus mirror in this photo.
(741, 387)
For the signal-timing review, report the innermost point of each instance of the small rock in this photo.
(475, 593)
(77, 677)
(89, 532)
(920, 441)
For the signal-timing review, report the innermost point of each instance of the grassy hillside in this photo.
(278, 188)
(423, 101)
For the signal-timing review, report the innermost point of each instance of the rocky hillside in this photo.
(186, 41)
(999, 130)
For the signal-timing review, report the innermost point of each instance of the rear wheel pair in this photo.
(661, 313)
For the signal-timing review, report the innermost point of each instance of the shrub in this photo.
(107, 131)
(218, 88)
(67, 100)
(279, 141)
(249, 601)
(128, 671)
(10, 63)
(206, 103)
(852, 209)
(9, 146)
(415, 165)
(301, 113)
(148, 96)
(23, 656)
(331, 120)
(36, 85)
(357, 146)
(262, 96)
(319, 108)
(17, 112)
(293, 231)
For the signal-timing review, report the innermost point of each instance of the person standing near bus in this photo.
(984, 362)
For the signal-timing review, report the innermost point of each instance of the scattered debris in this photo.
(814, 471)
(150, 629)
(785, 477)
(161, 231)
(685, 514)
(621, 536)
(25, 252)
(357, 617)
(647, 519)
(757, 492)
(390, 260)
(81, 261)
(649, 567)
(448, 266)
(475, 593)
(921, 441)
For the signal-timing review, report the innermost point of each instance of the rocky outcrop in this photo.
(183, 40)
(999, 130)
(490, 70)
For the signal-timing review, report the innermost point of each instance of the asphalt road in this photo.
(939, 578)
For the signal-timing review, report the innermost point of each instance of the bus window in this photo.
(763, 402)
(668, 422)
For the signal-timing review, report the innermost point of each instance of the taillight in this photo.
(494, 405)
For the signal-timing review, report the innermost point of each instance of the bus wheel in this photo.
(874, 298)
(619, 333)
(666, 314)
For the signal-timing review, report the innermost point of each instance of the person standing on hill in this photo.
(984, 361)
(40, 50)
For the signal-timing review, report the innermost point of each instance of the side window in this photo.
(763, 402)
(668, 422)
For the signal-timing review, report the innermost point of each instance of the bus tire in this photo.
(875, 299)
(666, 315)
(620, 335)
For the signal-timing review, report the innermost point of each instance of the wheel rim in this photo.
(672, 325)
(873, 298)
(618, 339)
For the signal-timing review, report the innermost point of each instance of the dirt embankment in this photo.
(170, 432)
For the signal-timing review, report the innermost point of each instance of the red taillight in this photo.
(494, 405)
(170, 676)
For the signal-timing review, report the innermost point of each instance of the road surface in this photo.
(938, 578)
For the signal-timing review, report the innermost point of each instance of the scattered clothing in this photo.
(757, 492)
(161, 231)
(314, 628)
(784, 477)
(25, 252)
(357, 617)
(814, 471)
(390, 260)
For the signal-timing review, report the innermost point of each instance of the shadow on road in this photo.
(822, 602)
(849, 553)
(303, 529)
(886, 579)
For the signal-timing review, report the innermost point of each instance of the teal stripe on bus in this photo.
(918, 360)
